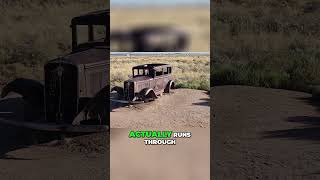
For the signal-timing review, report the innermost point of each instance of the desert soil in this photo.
(185, 108)
(263, 133)
(189, 159)
(26, 154)
(73, 160)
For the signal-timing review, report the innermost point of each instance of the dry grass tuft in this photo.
(34, 31)
(266, 43)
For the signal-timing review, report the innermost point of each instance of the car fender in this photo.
(119, 90)
(31, 90)
(170, 85)
(99, 104)
(148, 91)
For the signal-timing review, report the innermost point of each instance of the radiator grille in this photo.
(61, 92)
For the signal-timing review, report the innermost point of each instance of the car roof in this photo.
(151, 66)
(93, 18)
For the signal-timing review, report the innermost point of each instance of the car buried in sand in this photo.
(75, 94)
(147, 83)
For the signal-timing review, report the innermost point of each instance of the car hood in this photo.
(85, 57)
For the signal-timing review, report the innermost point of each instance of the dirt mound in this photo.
(261, 133)
(92, 143)
(181, 109)
(82, 157)
(24, 150)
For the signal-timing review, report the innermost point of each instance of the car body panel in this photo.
(71, 80)
(152, 78)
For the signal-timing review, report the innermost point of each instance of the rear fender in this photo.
(169, 86)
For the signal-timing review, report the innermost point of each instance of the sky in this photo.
(158, 2)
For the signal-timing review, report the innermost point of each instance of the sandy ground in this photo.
(185, 108)
(59, 161)
(183, 111)
(263, 133)
(26, 154)
(189, 159)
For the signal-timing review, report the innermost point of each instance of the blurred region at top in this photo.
(160, 25)
(158, 2)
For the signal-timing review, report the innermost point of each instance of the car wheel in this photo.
(147, 98)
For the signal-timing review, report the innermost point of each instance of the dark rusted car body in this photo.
(76, 85)
(150, 39)
(148, 81)
(71, 81)
(91, 21)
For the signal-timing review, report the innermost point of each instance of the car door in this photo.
(159, 81)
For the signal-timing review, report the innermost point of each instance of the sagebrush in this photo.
(266, 43)
(35, 31)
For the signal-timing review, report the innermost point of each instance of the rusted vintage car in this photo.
(150, 39)
(75, 94)
(148, 81)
